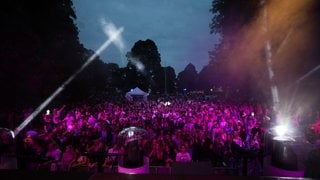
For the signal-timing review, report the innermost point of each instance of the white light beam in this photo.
(114, 36)
(308, 74)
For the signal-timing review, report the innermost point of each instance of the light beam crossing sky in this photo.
(179, 28)
(114, 37)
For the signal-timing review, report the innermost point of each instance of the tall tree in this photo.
(261, 41)
(39, 50)
(170, 84)
(229, 67)
(38, 45)
(186, 80)
(144, 65)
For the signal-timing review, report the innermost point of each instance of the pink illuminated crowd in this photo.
(179, 130)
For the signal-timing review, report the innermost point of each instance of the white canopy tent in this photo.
(137, 94)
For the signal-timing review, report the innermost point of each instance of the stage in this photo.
(16, 174)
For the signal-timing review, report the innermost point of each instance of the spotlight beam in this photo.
(114, 36)
(109, 29)
(308, 74)
(283, 42)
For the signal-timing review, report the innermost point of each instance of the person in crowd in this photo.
(53, 155)
(56, 115)
(169, 154)
(48, 124)
(112, 158)
(68, 156)
(183, 155)
(157, 156)
(81, 160)
(96, 155)
(210, 128)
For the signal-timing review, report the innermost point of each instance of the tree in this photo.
(212, 75)
(114, 80)
(232, 65)
(170, 76)
(144, 66)
(231, 16)
(40, 50)
(167, 82)
(260, 39)
(186, 80)
(39, 45)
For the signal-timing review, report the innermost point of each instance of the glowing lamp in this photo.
(280, 130)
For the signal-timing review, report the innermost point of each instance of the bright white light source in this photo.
(281, 130)
(130, 133)
(12, 134)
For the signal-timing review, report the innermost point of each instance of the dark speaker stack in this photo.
(290, 155)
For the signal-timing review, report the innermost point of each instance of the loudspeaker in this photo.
(313, 164)
(290, 155)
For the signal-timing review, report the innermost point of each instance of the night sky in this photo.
(179, 28)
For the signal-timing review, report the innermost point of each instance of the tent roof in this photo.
(137, 91)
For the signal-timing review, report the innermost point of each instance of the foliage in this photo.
(230, 16)
(227, 68)
(144, 68)
(244, 27)
(170, 86)
(186, 80)
(39, 51)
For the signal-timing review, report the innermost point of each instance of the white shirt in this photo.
(183, 157)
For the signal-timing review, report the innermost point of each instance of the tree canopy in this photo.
(40, 49)
(144, 65)
(187, 78)
(264, 38)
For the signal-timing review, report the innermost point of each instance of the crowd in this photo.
(179, 130)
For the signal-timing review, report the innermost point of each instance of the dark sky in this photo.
(180, 28)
